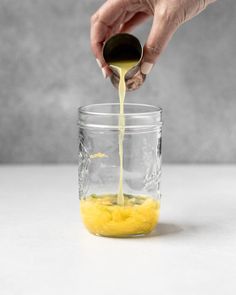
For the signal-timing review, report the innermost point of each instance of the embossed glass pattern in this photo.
(99, 151)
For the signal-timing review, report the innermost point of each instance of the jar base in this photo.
(126, 236)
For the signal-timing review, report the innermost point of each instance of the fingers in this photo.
(99, 30)
(163, 28)
(103, 24)
(123, 15)
(133, 21)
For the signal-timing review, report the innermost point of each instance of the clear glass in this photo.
(99, 169)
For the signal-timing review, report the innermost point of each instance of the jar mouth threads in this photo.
(113, 109)
(139, 117)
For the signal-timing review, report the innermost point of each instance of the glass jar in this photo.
(100, 173)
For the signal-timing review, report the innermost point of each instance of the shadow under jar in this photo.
(100, 175)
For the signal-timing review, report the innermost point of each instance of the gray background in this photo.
(47, 71)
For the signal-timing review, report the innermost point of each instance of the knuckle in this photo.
(202, 5)
(93, 18)
(169, 14)
(154, 51)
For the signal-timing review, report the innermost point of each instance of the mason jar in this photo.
(101, 176)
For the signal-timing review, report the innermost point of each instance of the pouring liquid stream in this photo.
(122, 66)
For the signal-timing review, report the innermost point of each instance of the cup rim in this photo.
(128, 35)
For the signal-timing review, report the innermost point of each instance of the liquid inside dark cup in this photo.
(122, 47)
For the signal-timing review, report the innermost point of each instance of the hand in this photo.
(116, 16)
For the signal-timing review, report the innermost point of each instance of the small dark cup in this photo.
(124, 46)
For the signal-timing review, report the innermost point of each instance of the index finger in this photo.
(108, 16)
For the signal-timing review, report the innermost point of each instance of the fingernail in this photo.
(104, 73)
(99, 63)
(146, 68)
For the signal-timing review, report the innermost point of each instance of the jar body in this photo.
(99, 170)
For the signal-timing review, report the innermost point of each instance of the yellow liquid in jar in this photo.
(120, 215)
(103, 216)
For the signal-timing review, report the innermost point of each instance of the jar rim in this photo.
(106, 116)
(150, 109)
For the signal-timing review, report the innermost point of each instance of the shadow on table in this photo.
(165, 229)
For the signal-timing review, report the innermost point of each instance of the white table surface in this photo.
(44, 248)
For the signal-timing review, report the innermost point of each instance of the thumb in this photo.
(163, 28)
